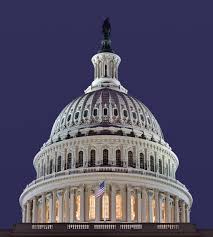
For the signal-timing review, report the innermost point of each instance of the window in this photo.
(105, 70)
(92, 158)
(105, 206)
(91, 207)
(69, 117)
(118, 158)
(142, 117)
(105, 157)
(118, 206)
(142, 165)
(115, 112)
(160, 166)
(80, 159)
(105, 111)
(130, 159)
(76, 115)
(125, 113)
(152, 168)
(69, 160)
(77, 207)
(59, 164)
(134, 115)
(133, 207)
(85, 113)
(51, 166)
(95, 112)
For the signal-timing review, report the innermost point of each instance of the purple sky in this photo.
(166, 49)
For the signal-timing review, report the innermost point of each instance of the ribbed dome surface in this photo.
(105, 108)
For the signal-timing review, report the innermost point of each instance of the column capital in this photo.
(161, 196)
(49, 196)
(60, 192)
(150, 193)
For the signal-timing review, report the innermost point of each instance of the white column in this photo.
(67, 211)
(34, 217)
(161, 199)
(157, 209)
(144, 205)
(177, 219)
(60, 202)
(187, 214)
(183, 216)
(52, 216)
(123, 193)
(24, 214)
(28, 211)
(43, 208)
(97, 207)
(139, 205)
(50, 203)
(150, 198)
(113, 203)
(168, 209)
(128, 204)
(72, 204)
(82, 203)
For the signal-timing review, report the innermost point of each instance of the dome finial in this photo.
(106, 42)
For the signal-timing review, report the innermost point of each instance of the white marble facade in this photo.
(106, 135)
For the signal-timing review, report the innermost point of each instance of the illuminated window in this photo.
(118, 158)
(163, 212)
(91, 207)
(77, 207)
(118, 201)
(57, 211)
(133, 207)
(152, 168)
(69, 161)
(47, 214)
(130, 159)
(92, 159)
(105, 206)
(153, 210)
(142, 165)
(105, 157)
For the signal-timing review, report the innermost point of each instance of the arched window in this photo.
(125, 113)
(105, 111)
(105, 207)
(133, 207)
(92, 207)
(160, 166)
(105, 71)
(59, 164)
(130, 159)
(105, 157)
(69, 160)
(95, 112)
(152, 168)
(115, 112)
(92, 159)
(142, 165)
(51, 166)
(118, 206)
(77, 207)
(80, 159)
(118, 158)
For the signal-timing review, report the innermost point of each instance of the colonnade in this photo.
(118, 204)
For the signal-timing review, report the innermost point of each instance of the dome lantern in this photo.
(106, 64)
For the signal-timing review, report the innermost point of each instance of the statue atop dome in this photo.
(106, 42)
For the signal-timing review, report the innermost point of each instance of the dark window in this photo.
(160, 166)
(105, 70)
(142, 117)
(118, 158)
(130, 159)
(134, 115)
(148, 120)
(105, 157)
(51, 166)
(125, 113)
(62, 121)
(80, 159)
(115, 112)
(105, 111)
(85, 113)
(142, 164)
(59, 164)
(76, 115)
(95, 112)
(69, 160)
(152, 163)
(69, 117)
(92, 158)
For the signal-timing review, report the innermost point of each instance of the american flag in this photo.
(101, 189)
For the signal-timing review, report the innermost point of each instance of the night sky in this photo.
(166, 49)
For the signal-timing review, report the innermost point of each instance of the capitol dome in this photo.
(106, 159)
